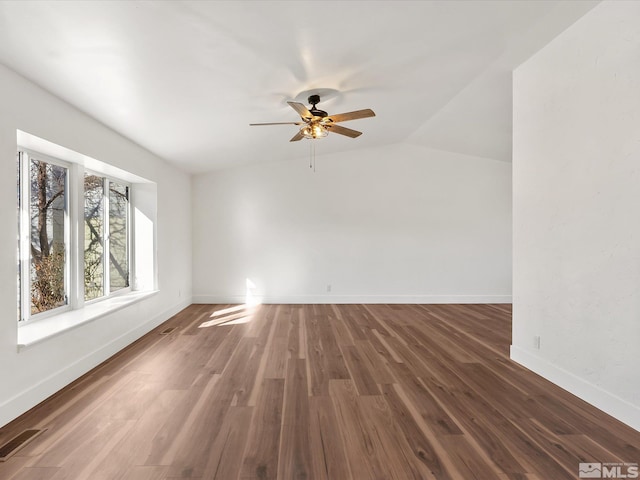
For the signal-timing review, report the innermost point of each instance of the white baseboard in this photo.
(29, 398)
(607, 402)
(350, 299)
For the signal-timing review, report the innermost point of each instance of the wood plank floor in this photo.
(327, 392)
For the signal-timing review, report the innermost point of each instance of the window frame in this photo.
(107, 242)
(25, 156)
(73, 236)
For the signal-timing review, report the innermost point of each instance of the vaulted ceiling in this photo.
(185, 78)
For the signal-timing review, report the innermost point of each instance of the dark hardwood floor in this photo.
(331, 392)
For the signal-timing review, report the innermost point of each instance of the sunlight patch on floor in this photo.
(237, 314)
(231, 316)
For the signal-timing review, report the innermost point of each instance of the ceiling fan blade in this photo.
(343, 117)
(343, 131)
(275, 123)
(296, 137)
(301, 109)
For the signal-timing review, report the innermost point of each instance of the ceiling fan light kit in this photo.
(317, 123)
(314, 131)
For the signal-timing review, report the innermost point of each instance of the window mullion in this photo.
(130, 249)
(25, 238)
(76, 233)
(106, 235)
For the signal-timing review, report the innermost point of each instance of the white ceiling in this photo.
(185, 79)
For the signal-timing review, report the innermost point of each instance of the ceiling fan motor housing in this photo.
(313, 100)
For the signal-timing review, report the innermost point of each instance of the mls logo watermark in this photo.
(608, 470)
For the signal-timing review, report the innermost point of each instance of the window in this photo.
(118, 236)
(93, 237)
(44, 235)
(48, 251)
(106, 236)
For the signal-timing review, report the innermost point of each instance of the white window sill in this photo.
(39, 330)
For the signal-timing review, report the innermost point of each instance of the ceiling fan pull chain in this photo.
(313, 145)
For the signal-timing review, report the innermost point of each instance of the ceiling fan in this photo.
(317, 123)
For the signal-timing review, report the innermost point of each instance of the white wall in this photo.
(29, 376)
(400, 223)
(576, 181)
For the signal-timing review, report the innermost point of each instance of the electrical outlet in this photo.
(328, 287)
